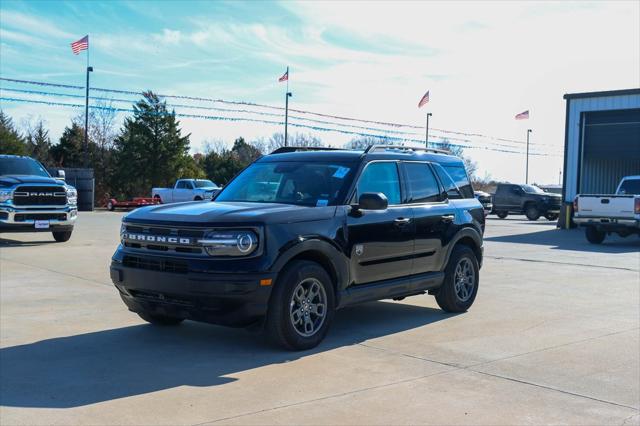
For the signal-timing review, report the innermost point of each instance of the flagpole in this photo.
(426, 136)
(286, 109)
(526, 177)
(86, 113)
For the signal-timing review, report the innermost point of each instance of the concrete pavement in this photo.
(553, 337)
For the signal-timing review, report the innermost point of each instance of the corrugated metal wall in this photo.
(576, 108)
(602, 176)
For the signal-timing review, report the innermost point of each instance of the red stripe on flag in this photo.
(80, 45)
(424, 100)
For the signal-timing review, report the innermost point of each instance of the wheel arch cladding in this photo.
(470, 238)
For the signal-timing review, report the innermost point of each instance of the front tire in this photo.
(462, 276)
(161, 320)
(61, 236)
(532, 212)
(551, 216)
(594, 236)
(502, 215)
(197, 198)
(301, 307)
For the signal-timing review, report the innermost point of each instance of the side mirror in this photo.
(373, 201)
(61, 174)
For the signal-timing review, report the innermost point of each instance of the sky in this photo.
(482, 62)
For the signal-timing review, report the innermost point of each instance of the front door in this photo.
(381, 242)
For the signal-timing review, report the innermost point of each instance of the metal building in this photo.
(601, 142)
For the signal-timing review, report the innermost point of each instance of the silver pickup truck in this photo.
(33, 201)
(604, 214)
(186, 190)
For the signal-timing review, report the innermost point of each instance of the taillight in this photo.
(575, 204)
(636, 206)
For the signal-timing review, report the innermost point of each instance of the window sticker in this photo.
(341, 172)
(322, 203)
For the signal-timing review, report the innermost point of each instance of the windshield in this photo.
(203, 183)
(532, 189)
(22, 166)
(630, 187)
(305, 184)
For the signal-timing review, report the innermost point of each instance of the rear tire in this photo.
(462, 276)
(502, 215)
(532, 212)
(161, 320)
(301, 307)
(594, 236)
(157, 198)
(61, 236)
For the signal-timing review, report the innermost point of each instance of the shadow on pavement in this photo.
(8, 242)
(105, 365)
(571, 240)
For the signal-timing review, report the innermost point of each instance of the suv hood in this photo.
(198, 212)
(10, 180)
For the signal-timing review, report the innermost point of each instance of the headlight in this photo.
(72, 195)
(232, 242)
(5, 195)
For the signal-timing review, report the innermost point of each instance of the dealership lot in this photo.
(552, 338)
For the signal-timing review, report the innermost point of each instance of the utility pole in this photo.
(526, 177)
(86, 116)
(426, 136)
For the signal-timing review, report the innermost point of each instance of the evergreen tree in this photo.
(39, 143)
(11, 142)
(69, 152)
(150, 149)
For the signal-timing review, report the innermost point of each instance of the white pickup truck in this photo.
(186, 190)
(603, 214)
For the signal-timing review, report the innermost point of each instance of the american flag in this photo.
(285, 76)
(424, 100)
(523, 115)
(80, 45)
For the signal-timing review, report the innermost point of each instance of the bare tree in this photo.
(458, 151)
(364, 142)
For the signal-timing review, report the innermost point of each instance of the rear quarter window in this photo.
(459, 176)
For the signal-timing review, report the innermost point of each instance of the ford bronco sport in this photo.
(301, 233)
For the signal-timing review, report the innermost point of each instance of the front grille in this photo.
(160, 265)
(22, 217)
(40, 196)
(161, 297)
(192, 248)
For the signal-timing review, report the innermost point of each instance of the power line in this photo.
(194, 98)
(237, 119)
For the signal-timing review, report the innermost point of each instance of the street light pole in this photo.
(526, 177)
(286, 115)
(426, 136)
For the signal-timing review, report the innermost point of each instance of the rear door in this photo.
(434, 215)
(380, 242)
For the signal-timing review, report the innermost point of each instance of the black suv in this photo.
(299, 234)
(527, 199)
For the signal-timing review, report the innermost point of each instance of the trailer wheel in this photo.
(157, 198)
(110, 206)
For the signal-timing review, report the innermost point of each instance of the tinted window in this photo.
(459, 176)
(289, 182)
(181, 185)
(449, 185)
(21, 166)
(202, 183)
(381, 177)
(630, 187)
(422, 183)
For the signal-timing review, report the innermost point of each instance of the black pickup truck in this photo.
(301, 233)
(526, 199)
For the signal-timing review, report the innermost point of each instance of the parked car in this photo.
(33, 201)
(297, 235)
(186, 190)
(605, 214)
(526, 199)
(485, 200)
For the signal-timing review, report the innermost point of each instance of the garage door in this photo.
(610, 149)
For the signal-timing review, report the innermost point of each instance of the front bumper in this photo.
(218, 298)
(23, 219)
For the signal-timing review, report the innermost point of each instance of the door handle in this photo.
(448, 217)
(402, 221)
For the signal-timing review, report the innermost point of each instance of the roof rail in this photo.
(285, 149)
(373, 148)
